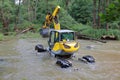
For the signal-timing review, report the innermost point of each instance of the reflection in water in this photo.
(19, 62)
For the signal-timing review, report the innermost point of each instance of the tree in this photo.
(81, 11)
(6, 14)
(112, 13)
(17, 14)
(65, 3)
(99, 10)
(94, 13)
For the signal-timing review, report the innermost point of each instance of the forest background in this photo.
(95, 18)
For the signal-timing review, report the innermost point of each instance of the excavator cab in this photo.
(62, 43)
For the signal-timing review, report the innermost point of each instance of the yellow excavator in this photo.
(61, 42)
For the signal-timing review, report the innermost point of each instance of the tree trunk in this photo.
(94, 13)
(66, 4)
(107, 25)
(5, 21)
(35, 9)
(28, 10)
(5, 25)
(99, 10)
(17, 20)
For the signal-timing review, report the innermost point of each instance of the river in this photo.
(18, 61)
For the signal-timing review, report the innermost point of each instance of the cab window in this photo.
(52, 37)
(67, 36)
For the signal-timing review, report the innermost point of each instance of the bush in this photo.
(114, 25)
(98, 33)
(115, 33)
(1, 37)
(25, 25)
(80, 27)
(81, 10)
(30, 35)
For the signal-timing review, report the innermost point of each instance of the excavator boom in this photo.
(50, 18)
(55, 19)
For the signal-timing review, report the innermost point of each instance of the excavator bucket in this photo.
(44, 32)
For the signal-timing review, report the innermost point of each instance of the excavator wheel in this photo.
(40, 48)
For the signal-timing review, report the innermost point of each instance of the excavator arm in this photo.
(50, 18)
(55, 19)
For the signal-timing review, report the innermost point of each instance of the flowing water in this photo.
(18, 61)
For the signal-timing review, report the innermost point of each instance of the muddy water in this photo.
(18, 61)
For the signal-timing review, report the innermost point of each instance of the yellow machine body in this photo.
(70, 49)
(63, 42)
(57, 45)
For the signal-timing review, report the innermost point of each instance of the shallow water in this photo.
(18, 61)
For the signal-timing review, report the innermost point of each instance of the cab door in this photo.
(51, 40)
(54, 37)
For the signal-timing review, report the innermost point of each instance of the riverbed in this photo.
(18, 61)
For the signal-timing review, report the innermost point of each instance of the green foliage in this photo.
(100, 32)
(7, 8)
(66, 20)
(6, 14)
(114, 32)
(95, 33)
(32, 14)
(112, 15)
(30, 35)
(115, 25)
(25, 25)
(80, 27)
(1, 37)
(11, 27)
(81, 11)
(42, 10)
(0, 26)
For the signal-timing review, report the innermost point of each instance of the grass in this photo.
(13, 35)
(30, 35)
(95, 33)
(98, 33)
(1, 37)
(83, 29)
